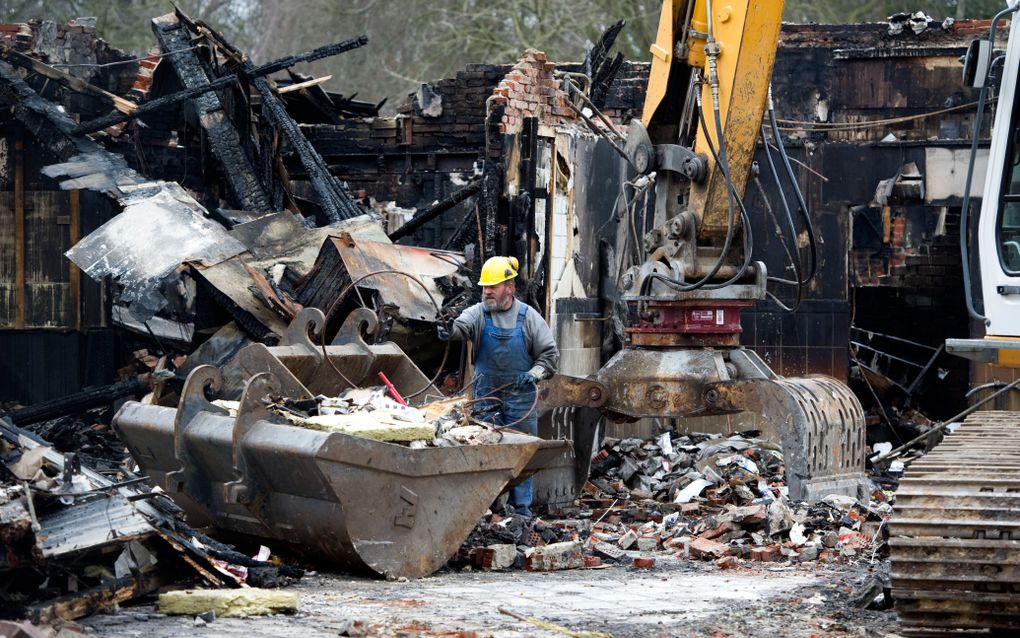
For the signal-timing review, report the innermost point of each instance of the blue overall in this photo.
(502, 356)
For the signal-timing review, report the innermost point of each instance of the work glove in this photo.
(443, 330)
(524, 380)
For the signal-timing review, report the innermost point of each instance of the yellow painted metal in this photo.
(1006, 357)
(747, 33)
(662, 57)
(1009, 357)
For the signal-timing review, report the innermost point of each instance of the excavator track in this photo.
(955, 533)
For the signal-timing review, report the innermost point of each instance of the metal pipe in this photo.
(879, 458)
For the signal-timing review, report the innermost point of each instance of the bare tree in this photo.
(125, 23)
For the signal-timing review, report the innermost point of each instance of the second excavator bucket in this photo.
(816, 420)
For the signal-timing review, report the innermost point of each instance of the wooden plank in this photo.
(303, 85)
(19, 234)
(66, 79)
(73, 273)
(92, 600)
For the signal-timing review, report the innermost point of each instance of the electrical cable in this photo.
(826, 127)
(798, 282)
(795, 263)
(346, 291)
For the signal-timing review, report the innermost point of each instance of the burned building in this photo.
(494, 160)
(883, 125)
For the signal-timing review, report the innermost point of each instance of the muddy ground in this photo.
(675, 598)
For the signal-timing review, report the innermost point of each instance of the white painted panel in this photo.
(945, 173)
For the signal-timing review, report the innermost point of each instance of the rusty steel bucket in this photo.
(351, 501)
(306, 369)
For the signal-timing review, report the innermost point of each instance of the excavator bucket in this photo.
(816, 420)
(352, 501)
(328, 370)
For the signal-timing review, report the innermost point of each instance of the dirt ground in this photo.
(675, 598)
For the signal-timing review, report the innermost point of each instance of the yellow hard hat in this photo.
(496, 270)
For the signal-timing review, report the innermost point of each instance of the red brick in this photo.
(690, 508)
(495, 557)
(554, 557)
(644, 563)
(727, 562)
(707, 548)
(751, 515)
(766, 554)
(725, 528)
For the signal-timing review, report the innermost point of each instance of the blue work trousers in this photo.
(506, 406)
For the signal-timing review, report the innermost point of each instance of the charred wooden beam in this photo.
(167, 101)
(48, 125)
(335, 199)
(91, 398)
(436, 210)
(66, 79)
(238, 169)
(89, 601)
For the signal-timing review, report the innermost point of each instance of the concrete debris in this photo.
(554, 557)
(495, 557)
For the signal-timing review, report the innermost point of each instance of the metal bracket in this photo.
(297, 331)
(682, 160)
(252, 409)
(193, 401)
(561, 391)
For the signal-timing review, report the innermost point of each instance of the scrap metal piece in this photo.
(346, 259)
(91, 524)
(355, 502)
(147, 241)
(953, 535)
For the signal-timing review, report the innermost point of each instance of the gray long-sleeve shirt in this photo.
(541, 345)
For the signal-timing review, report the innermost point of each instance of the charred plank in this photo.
(335, 199)
(79, 401)
(218, 84)
(437, 209)
(224, 138)
(89, 601)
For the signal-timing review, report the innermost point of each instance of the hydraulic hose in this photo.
(803, 207)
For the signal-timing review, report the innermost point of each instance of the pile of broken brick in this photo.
(697, 496)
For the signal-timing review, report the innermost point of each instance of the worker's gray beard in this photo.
(499, 304)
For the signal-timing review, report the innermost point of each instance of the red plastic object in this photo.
(393, 391)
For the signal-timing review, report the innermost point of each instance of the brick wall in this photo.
(529, 90)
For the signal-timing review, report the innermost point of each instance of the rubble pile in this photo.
(86, 434)
(372, 413)
(710, 497)
(78, 540)
(699, 496)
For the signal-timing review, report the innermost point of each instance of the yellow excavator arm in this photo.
(725, 49)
